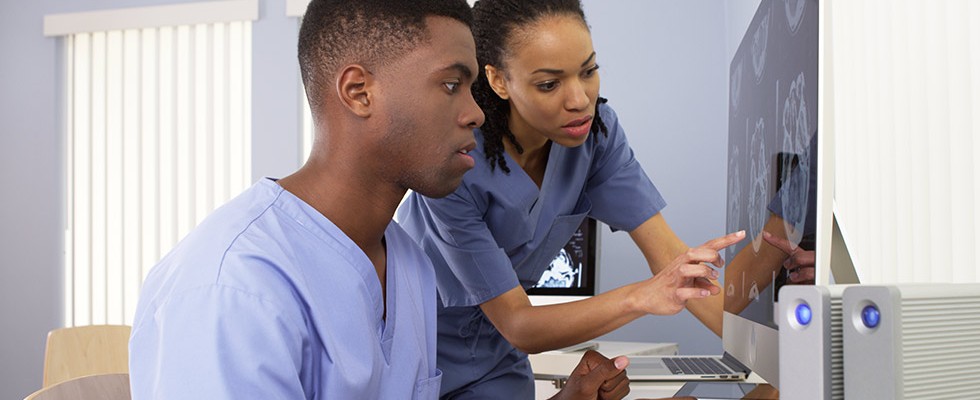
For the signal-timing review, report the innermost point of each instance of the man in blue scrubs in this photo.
(303, 287)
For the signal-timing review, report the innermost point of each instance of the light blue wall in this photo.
(31, 209)
(664, 67)
(738, 15)
(276, 92)
(32, 167)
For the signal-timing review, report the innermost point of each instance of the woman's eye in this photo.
(547, 86)
(452, 86)
(591, 71)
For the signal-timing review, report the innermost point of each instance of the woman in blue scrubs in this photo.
(550, 153)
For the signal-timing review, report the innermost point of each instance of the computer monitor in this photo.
(777, 173)
(571, 275)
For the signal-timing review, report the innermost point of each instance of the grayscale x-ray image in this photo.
(562, 273)
(796, 143)
(760, 41)
(759, 193)
(734, 190)
(771, 133)
(794, 14)
(568, 269)
(735, 83)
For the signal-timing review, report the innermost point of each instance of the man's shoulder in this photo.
(209, 242)
(210, 252)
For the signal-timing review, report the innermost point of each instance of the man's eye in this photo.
(452, 86)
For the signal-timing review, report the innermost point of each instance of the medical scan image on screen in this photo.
(563, 272)
(771, 156)
(572, 270)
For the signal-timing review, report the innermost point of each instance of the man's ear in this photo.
(497, 81)
(353, 86)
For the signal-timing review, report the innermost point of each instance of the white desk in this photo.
(638, 390)
(550, 365)
(662, 390)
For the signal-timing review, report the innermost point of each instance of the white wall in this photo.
(664, 68)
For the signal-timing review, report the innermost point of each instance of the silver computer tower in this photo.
(811, 342)
(912, 341)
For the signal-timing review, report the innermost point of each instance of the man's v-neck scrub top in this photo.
(268, 299)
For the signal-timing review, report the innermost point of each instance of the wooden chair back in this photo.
(86, 350)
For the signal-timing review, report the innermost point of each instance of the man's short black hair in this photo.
(368, 32)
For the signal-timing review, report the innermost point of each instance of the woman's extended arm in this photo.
(660, 245)
(533, 329)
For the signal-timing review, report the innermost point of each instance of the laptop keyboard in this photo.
(695, 366)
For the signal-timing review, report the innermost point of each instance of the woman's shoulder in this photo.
(481, 169)
(479, 178)
(610, 121)
(606, 112)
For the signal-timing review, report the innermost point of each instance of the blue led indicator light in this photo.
(803, 314)
(870, 316)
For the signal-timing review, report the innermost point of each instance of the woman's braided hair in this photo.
(494, 21)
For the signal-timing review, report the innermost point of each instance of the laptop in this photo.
(686, 368)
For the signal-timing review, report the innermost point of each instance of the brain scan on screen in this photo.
(772, 148)
(760, 39)
(796, 138)
(561, 273)
(759, 184)
(734, 193)
(794, 14)
(736, 86)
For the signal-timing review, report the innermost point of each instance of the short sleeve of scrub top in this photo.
(496, 224)
(622, 194)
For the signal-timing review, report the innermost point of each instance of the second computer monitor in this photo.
(572, 273)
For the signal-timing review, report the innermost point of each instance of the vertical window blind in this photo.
(307, 125)
(297, 8)
(907, 119)
(158, 135)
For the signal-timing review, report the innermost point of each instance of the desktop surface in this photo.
(552, 365)
(558, 364)
(544, 389)
(728, 390)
